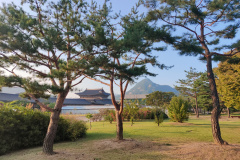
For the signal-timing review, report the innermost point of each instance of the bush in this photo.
(22, 128)
(130, 110)
(149, 113)
(159, 115)
(178, 109)
(76, 130)
(110, 116)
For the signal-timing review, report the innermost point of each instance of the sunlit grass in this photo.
(167, 134)
(196, 130)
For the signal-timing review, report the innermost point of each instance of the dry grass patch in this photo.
(206, 151)
(131, 149)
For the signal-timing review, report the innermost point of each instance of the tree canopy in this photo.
(158, 98)
(54, 46)
(228, 82)
(202, 26)
(195, 86)
(126, 46)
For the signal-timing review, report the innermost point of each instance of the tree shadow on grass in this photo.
(96, 135)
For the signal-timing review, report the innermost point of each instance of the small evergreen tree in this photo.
(178, 109)
(89, 116)
(131, 108)
(195, 86)
(159, 115)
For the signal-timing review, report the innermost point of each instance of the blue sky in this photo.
(168, 57)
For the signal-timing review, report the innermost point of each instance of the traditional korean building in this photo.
(95, 96)
(88, 97)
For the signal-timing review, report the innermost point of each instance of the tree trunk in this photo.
(51, 133)
(216, 106)
(52, 127)
(119, 126)
(196, 110)
(228, 111)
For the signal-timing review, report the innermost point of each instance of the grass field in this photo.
(194, 130)
(145, 140)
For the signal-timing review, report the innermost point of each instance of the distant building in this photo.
(88, 97)
(93, 94)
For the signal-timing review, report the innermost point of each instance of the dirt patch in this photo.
(206, 151)
(126, 145)
(110, 149)
(196, 151)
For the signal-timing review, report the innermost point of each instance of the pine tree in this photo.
(200, 18)
(53, 45)
(178, 109)
(189, 87)
(204, 92)
(196, 86)
(127, 44)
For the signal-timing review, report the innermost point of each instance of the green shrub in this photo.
(76, 130)
(110, 115)
(62, 134)
(22, 128)
(149, 113)
(178, 109)
(130, 110)
(159, 115)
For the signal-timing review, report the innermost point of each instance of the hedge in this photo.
(22, 128)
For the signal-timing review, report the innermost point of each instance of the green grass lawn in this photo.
(195, 130)
(168, 134)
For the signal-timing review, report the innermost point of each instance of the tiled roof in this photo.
(93, 92)
(70, 101)
(5, 97)
(102, 101)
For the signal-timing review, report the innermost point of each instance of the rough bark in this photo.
(228, 112)
(52, 127)
(119, 125)
(216, 105)
(196, 110)
(51, 133)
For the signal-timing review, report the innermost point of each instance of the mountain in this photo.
(146, 86)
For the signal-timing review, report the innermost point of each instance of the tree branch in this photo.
(41, 104)
(232, 53)
(219, 16)
(79, 82)
(97, 80)
(176, 24)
